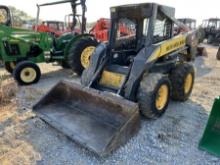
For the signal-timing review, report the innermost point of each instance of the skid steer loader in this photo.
(127, 76)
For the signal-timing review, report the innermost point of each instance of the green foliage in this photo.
(20, 17)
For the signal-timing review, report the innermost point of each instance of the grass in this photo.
(8, 88)
(4, 77)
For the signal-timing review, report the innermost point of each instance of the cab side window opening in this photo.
(162, 30)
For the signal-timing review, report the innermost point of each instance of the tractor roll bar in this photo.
(74, 4)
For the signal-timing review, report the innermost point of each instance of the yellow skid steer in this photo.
(129, 75)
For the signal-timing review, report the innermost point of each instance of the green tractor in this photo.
(21, 50)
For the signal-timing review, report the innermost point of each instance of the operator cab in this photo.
(134, 29)
(5, 16)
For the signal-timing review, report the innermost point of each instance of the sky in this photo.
(197, 9)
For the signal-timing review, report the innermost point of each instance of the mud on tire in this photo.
(148, 92)
(180, 90)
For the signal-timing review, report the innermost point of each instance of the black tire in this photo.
(178, 76)
(64, 65)
(10, 66)
(75, 52)
(210, 39)
(218, 54)
(33, 71)
(148, 92)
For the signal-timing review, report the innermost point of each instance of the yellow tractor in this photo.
(130, 75)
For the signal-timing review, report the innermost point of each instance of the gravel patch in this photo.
(172, 139)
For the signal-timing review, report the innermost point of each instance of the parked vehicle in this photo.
(211, 28)
(129, 75)
(21, 50)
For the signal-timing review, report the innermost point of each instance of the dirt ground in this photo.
(172, 139)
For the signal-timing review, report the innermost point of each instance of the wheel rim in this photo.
(188, 83)
(85, 56)
(162, 97)
(28, 75)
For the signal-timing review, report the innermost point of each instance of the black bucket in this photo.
(97, 120)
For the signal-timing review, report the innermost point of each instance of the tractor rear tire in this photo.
(10, 66)
(153, 95)
(80, 53)
(182, 81)
(218, 54)
(64, 65)
(27, 73)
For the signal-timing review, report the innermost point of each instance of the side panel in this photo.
(146, 58)
(167, 47)
(15, 44)
(111, 79)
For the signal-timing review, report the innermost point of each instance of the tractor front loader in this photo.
(128, 76)
(21, 50)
